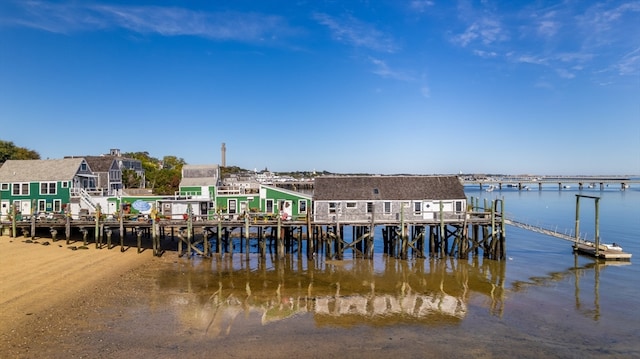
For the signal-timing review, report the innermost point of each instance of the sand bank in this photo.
(44, 283)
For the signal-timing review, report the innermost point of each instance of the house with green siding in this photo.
(43, 187)
(208, 195)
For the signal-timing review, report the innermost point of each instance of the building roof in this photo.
(199, 175)
(39, 170)
(399, 188)
(100, 163)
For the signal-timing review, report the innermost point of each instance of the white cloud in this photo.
(357, 33)
(165, 21)
(529, 59)
(487, 31)
(485, 54)
(548, 28)
(565, 74)
(629, 64)
(383, 70)
(420, 5)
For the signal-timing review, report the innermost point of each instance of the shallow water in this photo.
(542, 301)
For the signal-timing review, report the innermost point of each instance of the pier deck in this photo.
(450, 235)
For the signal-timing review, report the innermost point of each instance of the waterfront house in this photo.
(46, 186)
(196, 189)
(130, 164)
(234, 201)
(108, 175)
(387, 199)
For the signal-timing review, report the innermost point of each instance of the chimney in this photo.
(224, 155)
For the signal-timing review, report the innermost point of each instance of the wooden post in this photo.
(503, 235)
(14, 214)
(190, 229)
(33, 219)
(280, 242)
(246, 233)
(121, 219)
(96, 234)
(262, 242)
(577, 228)
(311, 250)
(205, 241)
(597, 199)
(155, 239)
(139, 238)
(219, 239)
(370, 240)
(442, 233)
(67, 222)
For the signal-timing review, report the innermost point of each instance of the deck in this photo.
(450, 235)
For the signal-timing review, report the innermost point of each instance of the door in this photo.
(286, 209)
(4, 208)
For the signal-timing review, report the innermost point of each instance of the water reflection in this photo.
(579, 272)
(211, 294)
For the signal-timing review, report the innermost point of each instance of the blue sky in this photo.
(391, 86)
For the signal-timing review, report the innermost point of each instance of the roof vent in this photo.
(375, 191)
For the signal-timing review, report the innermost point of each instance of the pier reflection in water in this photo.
(214, 294)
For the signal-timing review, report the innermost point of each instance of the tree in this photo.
(162, 176)
(9, 151)
(130, 179)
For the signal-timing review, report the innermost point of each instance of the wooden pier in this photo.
(468, 233)
(595, 249)
(562, 182)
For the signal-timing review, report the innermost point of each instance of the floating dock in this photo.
(602, 253)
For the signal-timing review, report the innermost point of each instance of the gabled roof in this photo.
(39, 170)
(399, 188)
(199, 175)
(100, 163)
(289, 192)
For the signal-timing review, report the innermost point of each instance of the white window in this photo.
(417, 207)
(387, 207)
(269, 206)
(232, 206)
(20, 189)
(5, 187)
(57, 205)
(332, 207)
(48, 188)
(42, 205)
(65, 184)
(302, 206)
(352, 204)
(369, 207)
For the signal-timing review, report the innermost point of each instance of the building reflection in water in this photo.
(210, 294)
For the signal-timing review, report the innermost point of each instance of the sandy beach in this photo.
(58, 302)
(46, 289)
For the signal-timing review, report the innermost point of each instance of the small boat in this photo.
(605, 246)
(566, 186)
(611, 247)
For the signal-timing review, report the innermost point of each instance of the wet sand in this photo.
(97, 303)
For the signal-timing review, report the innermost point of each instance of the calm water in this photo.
(543, 301)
